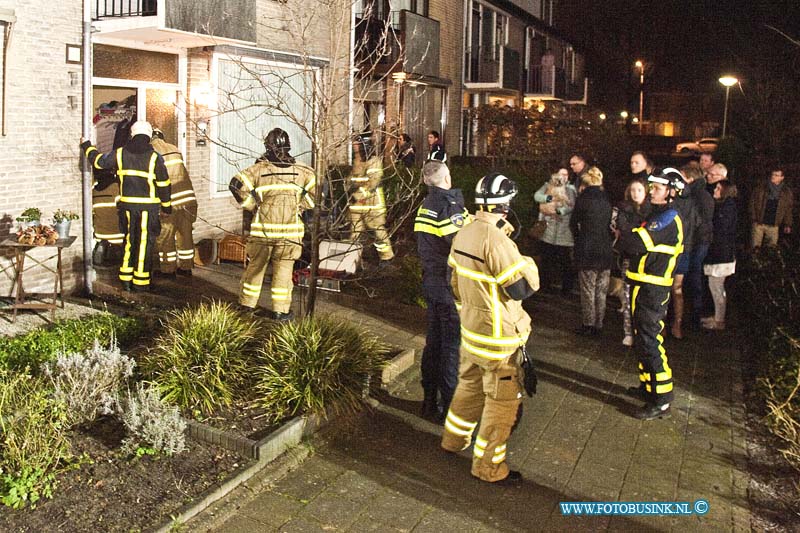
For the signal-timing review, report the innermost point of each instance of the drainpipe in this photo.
(88, 270)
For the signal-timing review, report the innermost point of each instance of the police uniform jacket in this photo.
(439, 218)
(487, 270)
(182, 191)
(276, 193)
(143, 178)
(654, 247)
(364, 184)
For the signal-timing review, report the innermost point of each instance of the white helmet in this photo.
(142, 127)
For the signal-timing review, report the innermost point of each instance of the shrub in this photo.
(410, 282)
(200, 361)
(73, 335)
(152, 424)
(88, 383)
(32, 427)
(316, 365)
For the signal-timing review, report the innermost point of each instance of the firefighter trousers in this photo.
(141, 227)
(372, 220)
(281, 254)
(490, 391)
(440, 357)
(649, 309)
(175, 244)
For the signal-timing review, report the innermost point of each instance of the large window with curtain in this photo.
(253, 98)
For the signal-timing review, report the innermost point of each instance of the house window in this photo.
(487, 32)
(252, 99)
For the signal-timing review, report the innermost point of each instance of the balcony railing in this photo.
(547, 81)
(494, 65)
(124, 8)
(400, 41)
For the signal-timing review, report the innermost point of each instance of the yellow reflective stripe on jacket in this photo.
(173, 162)
(513, 269)
(494, 341)
(487, 354)
(245, 180)
(468, 273)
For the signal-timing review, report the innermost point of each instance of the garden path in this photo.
(577, 442)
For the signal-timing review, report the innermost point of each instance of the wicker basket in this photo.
(232, 248)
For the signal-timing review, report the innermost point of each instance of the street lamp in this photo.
(728, 82)
(640, 65)
(624, 115)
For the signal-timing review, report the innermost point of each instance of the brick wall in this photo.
(39, 156)
(450, 14)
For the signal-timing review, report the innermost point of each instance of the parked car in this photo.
(706, 144)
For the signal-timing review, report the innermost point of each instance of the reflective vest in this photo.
(439, 218)
(364, 182)
(143, 178)
(182, 192)
(485, 261)
(276, 194)
(654, 248)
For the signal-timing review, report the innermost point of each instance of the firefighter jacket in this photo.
(486, 265)
(182, 192)
(143, 178)
(276, 193)
(654, 247)
(364, 185)
(439, 218)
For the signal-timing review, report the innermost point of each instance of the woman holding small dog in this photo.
(556, 199)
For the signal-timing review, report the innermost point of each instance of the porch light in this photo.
(399, 77)
(603, 116)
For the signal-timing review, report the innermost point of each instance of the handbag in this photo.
(537, 230)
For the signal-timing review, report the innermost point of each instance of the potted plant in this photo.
(30, 217)
(63, 219)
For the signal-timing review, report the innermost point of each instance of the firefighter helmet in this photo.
(141, 127)
(670, 177)
(158, 134)
(494, 192)
(277, 142)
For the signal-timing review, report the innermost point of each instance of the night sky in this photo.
(686, 45)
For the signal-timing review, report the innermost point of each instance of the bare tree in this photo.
(342, 58)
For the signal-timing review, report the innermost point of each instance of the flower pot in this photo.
(62, 228)
(25, 224)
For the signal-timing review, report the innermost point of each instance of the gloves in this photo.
(529, 380)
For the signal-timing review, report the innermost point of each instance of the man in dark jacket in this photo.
(439, 218)
(144, 194)
(591, 225)
(770, 208)
(704, 208)
(686, 206)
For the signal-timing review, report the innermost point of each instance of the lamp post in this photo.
(728, 82)
(640, 65)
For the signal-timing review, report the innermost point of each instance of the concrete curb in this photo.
(266, 450)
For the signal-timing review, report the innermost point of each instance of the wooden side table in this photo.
(20, 256)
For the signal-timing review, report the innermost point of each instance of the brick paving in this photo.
(384, 471)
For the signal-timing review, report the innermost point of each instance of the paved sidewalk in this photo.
(577, 442)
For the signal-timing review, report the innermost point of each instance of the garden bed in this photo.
(116, 493)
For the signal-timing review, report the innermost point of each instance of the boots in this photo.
(430, 407)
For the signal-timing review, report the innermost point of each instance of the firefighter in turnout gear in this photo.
(276, 189)
(367, 204)
(105, 218)
(654, 248)
(490, 279)
(439, 218)
(144, 194)
(175, 244)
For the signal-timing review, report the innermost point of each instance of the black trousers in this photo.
(649, 309)
(440, 357)
(141, 227)
(556, 266)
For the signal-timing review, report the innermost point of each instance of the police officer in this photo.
(440, 216)
(654, 249)
(276, 189)
(144, 196)
(367, 203)
(490, 279)
(175, 244)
